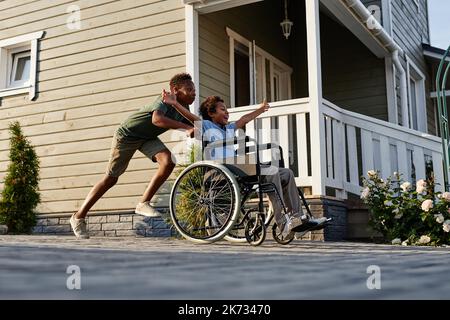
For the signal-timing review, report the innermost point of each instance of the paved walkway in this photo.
(34, 267)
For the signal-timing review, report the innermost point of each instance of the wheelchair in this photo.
(213, 200)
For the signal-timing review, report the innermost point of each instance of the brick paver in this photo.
(34, 267)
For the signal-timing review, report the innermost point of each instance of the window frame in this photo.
(414, 74)
(254, 50)
(8, 47)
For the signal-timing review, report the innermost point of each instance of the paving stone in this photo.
(127, 218)
(56, 229)
(117, 226)
(94, 226)
(97, 219)
(113, 218)
(151, 268)
(124, 233)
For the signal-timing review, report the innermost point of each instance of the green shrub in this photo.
(20, 195)
(407, 214)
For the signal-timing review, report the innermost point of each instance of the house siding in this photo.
(410, 30)
(353, 77)
(89, 81)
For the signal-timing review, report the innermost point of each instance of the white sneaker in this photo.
(145, 209)
(79, 227)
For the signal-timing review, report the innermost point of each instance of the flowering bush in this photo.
(406, 215)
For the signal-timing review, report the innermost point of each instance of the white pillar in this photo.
(315, 96)
(192, 60)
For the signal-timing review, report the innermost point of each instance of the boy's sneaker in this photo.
(145, 209)
(296, 220)
(286, 226)
(79, 227)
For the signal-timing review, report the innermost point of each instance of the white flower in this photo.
(424, 239)
(405, 186)
(427, 205)
(446, 196)
(365, 193)
(388, 203)
(405, 243)
(421, 186)
(397, 241)
(439, 218)
(372, 173)
(399, 215)
(446, 226)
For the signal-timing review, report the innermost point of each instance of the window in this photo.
(255, 74)
(18, 60)
(416, 97)
(20, 75)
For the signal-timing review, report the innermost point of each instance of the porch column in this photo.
(315, 95)
(192, 60)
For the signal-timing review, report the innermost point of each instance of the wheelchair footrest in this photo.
(310, 226)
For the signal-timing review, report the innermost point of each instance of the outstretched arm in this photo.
(252, 115)
(171, 99)
(160, 120)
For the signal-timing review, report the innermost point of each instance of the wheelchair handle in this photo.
(225, 142)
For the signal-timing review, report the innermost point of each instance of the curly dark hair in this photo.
(209, 105)
(179, 79)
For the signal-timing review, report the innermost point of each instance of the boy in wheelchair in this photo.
(215, 126)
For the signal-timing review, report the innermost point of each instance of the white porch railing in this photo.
(354, 140)
(354, 144)
(291, 137)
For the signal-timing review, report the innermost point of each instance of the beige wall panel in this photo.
(114, 73)
(93, 15)
(20, 109)
(9, 6)
(100, 40)
(104, 62)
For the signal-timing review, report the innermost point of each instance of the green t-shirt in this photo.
(139, 124)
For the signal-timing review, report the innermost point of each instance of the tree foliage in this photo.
(20, 195)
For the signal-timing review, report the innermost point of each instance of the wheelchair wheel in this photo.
(237, 233)
(204, 202)
(255, 230)
(278, 237)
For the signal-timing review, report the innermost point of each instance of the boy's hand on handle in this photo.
(190, 133)
(168, 97)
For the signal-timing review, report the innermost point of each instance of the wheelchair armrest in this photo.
(267, 146)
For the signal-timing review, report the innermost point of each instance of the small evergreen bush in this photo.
(20, 195)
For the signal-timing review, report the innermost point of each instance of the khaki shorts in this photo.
(123, 149)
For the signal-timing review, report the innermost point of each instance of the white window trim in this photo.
(391, 91)
(234, 36)
(203, 6)
(419, 79)
(6, 47)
